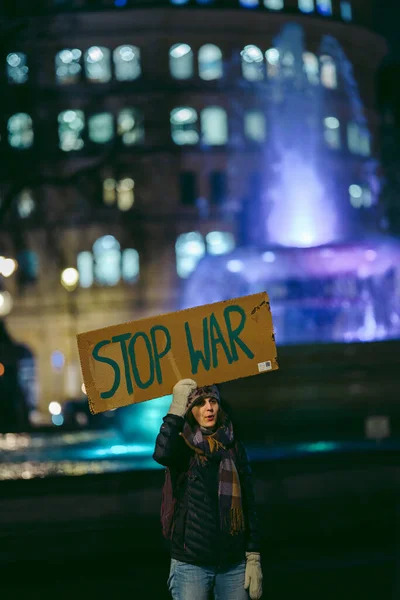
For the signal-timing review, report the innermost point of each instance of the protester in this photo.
(208, 506)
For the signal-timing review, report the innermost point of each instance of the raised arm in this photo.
(171, 450)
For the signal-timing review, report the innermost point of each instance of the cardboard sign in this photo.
(141, 360)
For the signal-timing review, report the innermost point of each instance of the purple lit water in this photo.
(330, 274)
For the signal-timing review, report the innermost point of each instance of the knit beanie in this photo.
(200, 393)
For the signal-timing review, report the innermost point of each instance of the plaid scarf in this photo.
(218, 445)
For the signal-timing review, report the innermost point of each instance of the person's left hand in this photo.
(253, 576)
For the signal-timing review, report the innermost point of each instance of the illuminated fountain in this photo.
(330, 274)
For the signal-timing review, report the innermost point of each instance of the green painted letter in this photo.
(197, 355)
(217, 337)
(112, 363)
(122, 340)
(234, 333)
(131, 349)
(167, 347)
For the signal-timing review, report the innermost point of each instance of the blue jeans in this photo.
(191, 582)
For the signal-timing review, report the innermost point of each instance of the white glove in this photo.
(253, 577)
(181, 392)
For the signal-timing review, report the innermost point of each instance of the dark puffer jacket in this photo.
(197, 537)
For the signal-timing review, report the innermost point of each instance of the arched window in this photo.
(324, 7)
(220, 242)
(130, 126)
(358, 139)
(101, 128)
(287, 64)
(328, 72)
(306, 6)
(346, 11)
(68, 66)
(97, 64)
(311, 67)
(252, 63)
(107, 260)
(20, 131)
(125, 194)
(360, 196)
(17, 68)
(190, 248)
(130, 265)
(181, 61)
(120, 192)
(109, 191)
(184, 125)
(127, 63)
(332, 132)
(70, 127)
(272, 58)
(254, 126)
(85, 269)
(25, 203)
(28, 266)
(210, 62)
(274, 4)
(214, 126)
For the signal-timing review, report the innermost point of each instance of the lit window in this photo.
(249, 3)
(181, 61)
(20, 131)
(17, 68)
(85, 269)
(130, 126)
(210, 62)
(287, 63)
(358, 139)
(179, 2)
(311, 67)
(25, 204)
(328, 72)
(101, 128)
(272, 58)
(332, 132)
(130, 265)
(109, 191)
(306, 6)
(254, 125)
(220, 242)
(28, 266)
(190, 248)
(324, 7)
(70, 127)
(97, 64)
(360, 196)
(346, 11)
(68, 66)
(127, 63)
(107, 260)
(274, 4)
(184, 125)
(125, 194)
(214, 126)
(252, 63)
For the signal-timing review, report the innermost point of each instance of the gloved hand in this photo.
(180, 395)
(253, 576)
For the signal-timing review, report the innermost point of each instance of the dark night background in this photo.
(80, 495)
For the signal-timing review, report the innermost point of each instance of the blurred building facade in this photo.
(134, 137)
